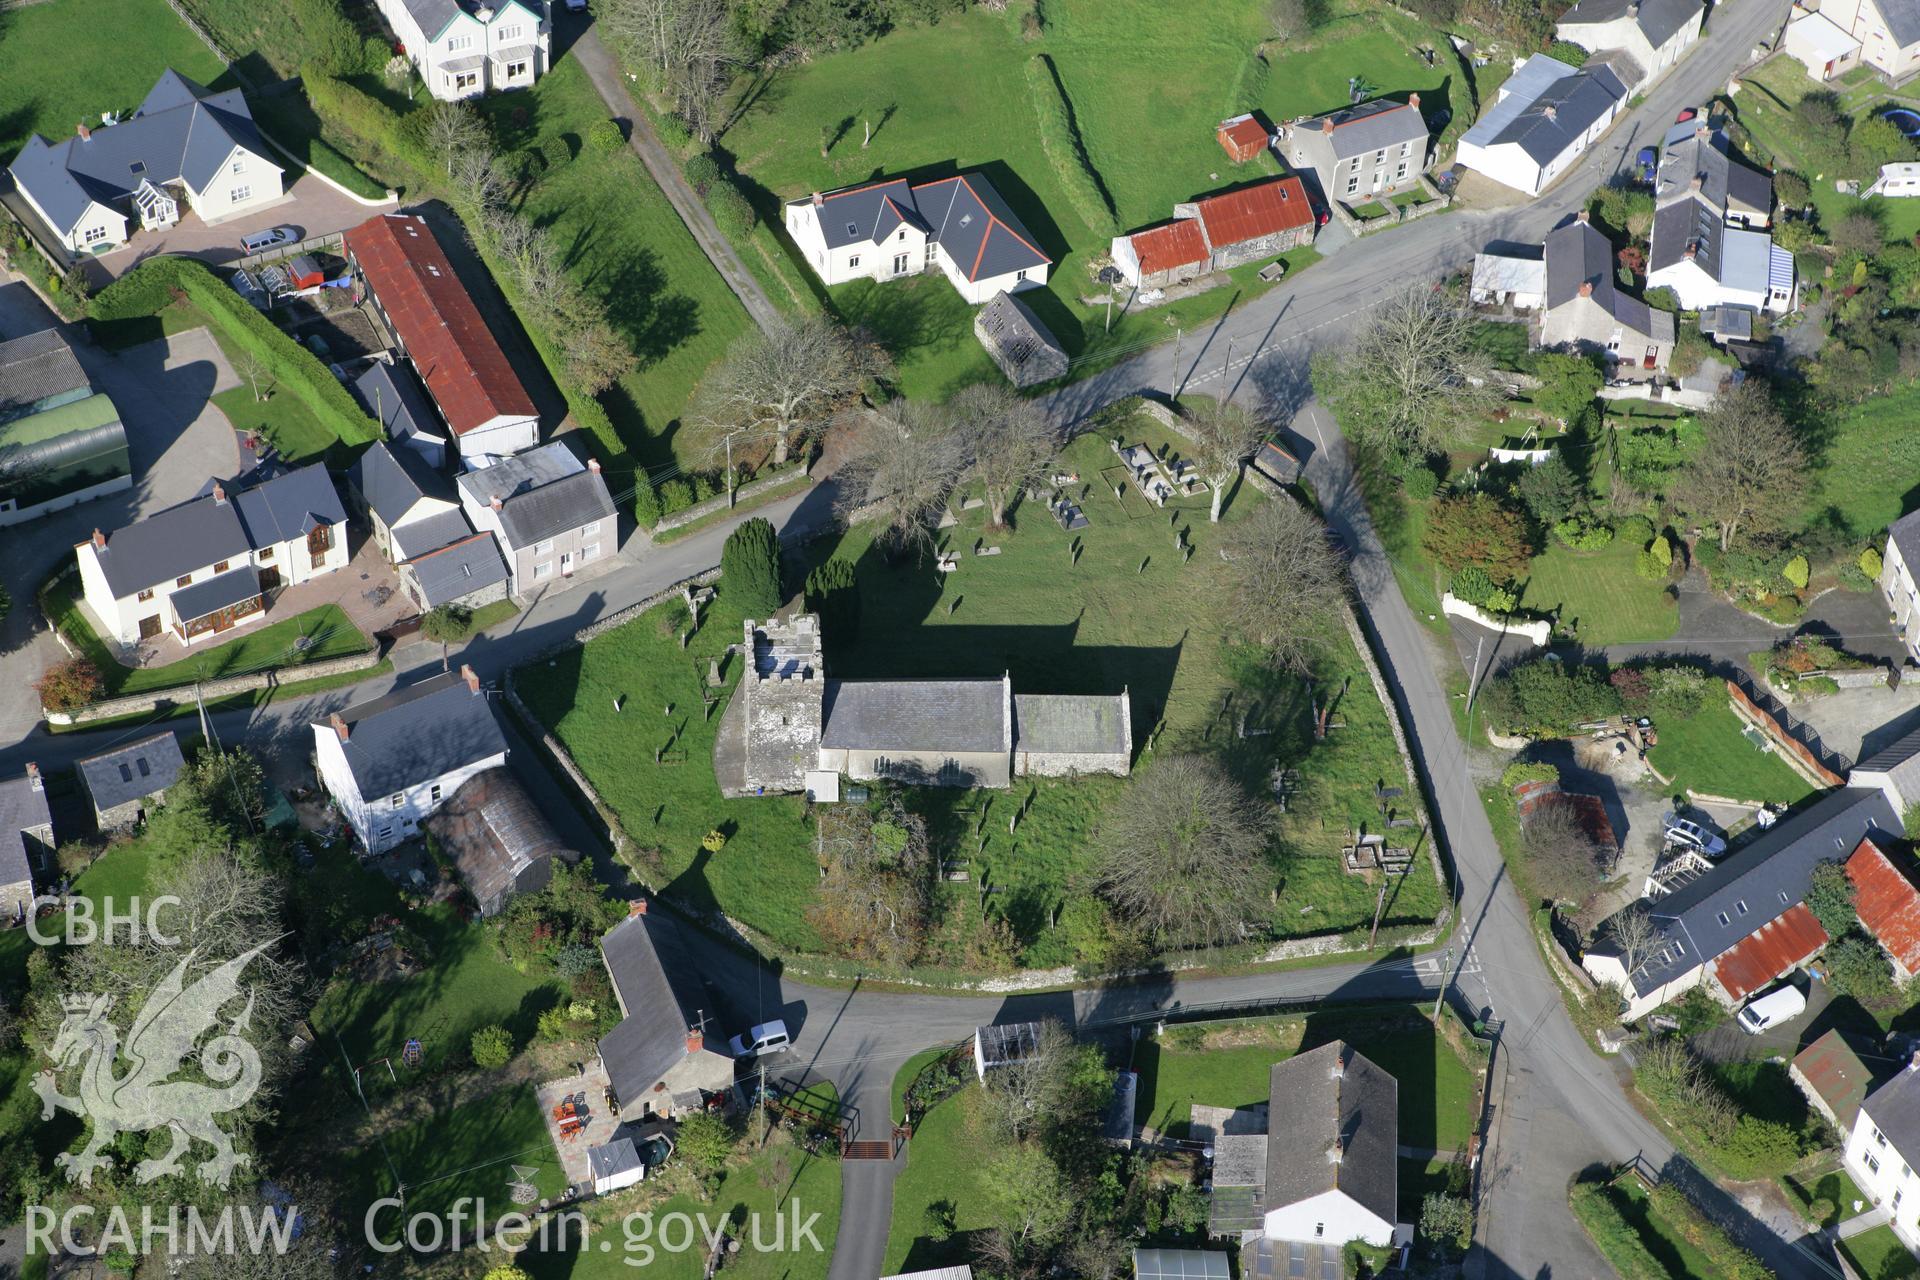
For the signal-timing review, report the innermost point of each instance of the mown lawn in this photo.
(1600, 595)
(64, 64)
(1127, 613)
(947, 1164)
(1227, 1064)
(1146, 109)
(1708, 753)
(1831, 1185)
(1870, 473)
(1775, 130)
(626, 244)
(1879, 1255)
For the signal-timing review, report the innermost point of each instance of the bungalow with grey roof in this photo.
(893, 228)
(1369, 151)
(658, 1058)
(391, 761)
(26, 841)
(463, 48)
(184, 144)
(199, 569)
(122, 782)
(1656, 34)
(1546, 116)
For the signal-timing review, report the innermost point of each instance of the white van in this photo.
(1783, 1004)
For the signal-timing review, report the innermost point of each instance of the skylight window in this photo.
(138, 167)
(852, 230)
(966, 219)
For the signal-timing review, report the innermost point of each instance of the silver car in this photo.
(1693, 835)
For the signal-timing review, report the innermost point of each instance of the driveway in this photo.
(178, 440)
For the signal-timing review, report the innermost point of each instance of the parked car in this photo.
(1783, 1004)
(272, 237)
(768, 1037)
(576, 6)
(1694, 835)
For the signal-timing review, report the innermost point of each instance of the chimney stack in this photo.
(1326, 125)
(496, 504)
(1913, 1062)
(1701, 131)
(1586, 288)
(468, 674)
(818, 199)
(1692, 247)
(638, 907)
(1583, 216)
(219, 492)
(1413, 100)
(1697, 183)
(593, 465)
(34, 782)
(99, 540)
(1551, 113)
(696, 1039)
(1334, 1154)
(339, 725)
(82, 130)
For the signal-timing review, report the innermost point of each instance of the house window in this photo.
(1020, 274)
(1679, 947)
(1741, 906)
(221, 567)
(544, 547)
(239, 164)
(457, 43)
(543, 569)
(589, 528)
(239, 193)
(902, 235)
(1353, 184)
(185, 579)
(589, 551)
(1879, 1138)
(1783, 899)
(386, 833)
(145, 595)
(853, 261)
(1400, 174)
(1319, 1229)
(399, 799)
(1406, 148)
(266, 554)
(515, 70)
(436, 793)
(319, 542)
(900, 264)
(466, 79)
(1380, 156)
(510, 33)
(1873, 1163)
(94, 235)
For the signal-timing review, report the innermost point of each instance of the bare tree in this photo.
(454, 129)
(1021, 1094)
(779, 385)
(1184, 853)
(690, 48)
(1750, 471)
(1288, 18)
(1010, 439)
(1286, 582)
(902, 464)
(259, 374)
(1224, 437)
(1564, 862)
(1411, 377)
(1635, 934)
(474, 175)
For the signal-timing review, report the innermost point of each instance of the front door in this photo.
(566, 563)
(269, 577)
(150, 627)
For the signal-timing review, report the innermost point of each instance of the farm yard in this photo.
(1126, 612)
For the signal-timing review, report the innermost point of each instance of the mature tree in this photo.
(1875, 141)
(492, 1047)
(454, 129)
(1551, 491)
(1411, 377)
(1476, 529)
(597, 354)
(1821, 118)
(1830, 896)
(476, 182)
(447, 624)
(902, 464)
(69, 684)
(1636, 934)
(1792, 190)
(1859, 231)
(833, 592)
(1568, 384)
(689, 49)
(1184, 853)
(1030, 1204)
(1564, 862)
(1750, 471)
(1022, 1096)
(1009, 438)
(1285, 584)
(778, 386)
(1224, 437)
(750, 568)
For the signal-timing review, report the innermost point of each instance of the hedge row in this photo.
(149, 287)
(1065, 150)
(1599, 1210)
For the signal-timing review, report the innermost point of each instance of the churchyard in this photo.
(1117, 604)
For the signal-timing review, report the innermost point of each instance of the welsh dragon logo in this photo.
(161, 1040)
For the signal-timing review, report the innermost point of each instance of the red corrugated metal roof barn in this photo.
(1178, 244)
(1888, 905)
(1242, 138)
(436, 322)
(1263, 209)
(1775, 948)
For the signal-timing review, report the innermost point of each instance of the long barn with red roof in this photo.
(400, 263)
(1228, 229)
(885, 230)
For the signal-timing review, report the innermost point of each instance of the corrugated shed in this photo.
(463, 367)
(1832, 1069)
(1243, 137)
(1887, 903)
(1280, 204)
(1763, 955)
(1177, 244)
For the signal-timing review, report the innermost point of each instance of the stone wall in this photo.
(179, 695)
(752, 489)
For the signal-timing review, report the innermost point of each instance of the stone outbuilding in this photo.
(500, 842)
(121, 783)
(1023, 348)
(1260, 220)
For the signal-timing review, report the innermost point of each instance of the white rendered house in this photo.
(1655, 34)
(390, 762)
(465, 49)
(1547, 115)
(1882, 1149)
(1333, 1137)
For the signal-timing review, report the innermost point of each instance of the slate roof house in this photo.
(391, 761)
(26, 841)
(1743, 923)
(1584, 310)
(61, 442)
(1709, 242)
(551, 514)
(500, 842)
(1213, 233)
(200, 569)
(184, 144)
(1363, 152)
(121, 782)
(1888, 32)
(463, 48)
(657, 1058)
(396, 258)
(1882, 1150)
(793, 720)
(1900, 579)
(1654, 33)
(418, 523)
(1333, 1143)
(888, 229)
(1546, 116)
(391, 394)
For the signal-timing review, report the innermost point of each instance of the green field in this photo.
(1870, 472)
(944, 1164)
(64, 64)
(625, 243)
(1600, 595)
(1146, 110)
(1097, 624)
(1708, 753)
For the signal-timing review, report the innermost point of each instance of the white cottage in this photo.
(463, 48)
